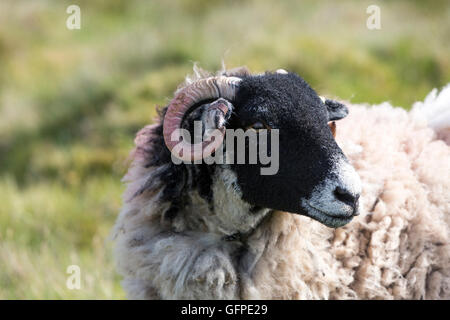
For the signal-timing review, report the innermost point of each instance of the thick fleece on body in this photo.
(398, 248)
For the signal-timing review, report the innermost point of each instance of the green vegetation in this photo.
(71, 102)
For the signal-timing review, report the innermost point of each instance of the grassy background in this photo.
(71, 102)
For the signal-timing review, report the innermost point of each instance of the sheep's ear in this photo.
(336, 110)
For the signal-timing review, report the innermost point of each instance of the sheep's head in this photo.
(313, 176)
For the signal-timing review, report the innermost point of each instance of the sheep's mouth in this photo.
(329, 219)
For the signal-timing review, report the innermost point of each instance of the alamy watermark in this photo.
(235, 151)
(73, 281)
(373, 22)
(74, 20)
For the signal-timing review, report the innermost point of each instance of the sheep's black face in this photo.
(314, 177)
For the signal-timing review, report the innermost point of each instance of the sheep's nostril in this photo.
(347, 197)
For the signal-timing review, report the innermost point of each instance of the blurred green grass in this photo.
(71, 102)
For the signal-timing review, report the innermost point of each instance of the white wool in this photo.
(399, 248)
(435, 108)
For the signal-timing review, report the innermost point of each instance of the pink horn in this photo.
(204, 89)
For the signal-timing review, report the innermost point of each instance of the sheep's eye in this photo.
(258, 126)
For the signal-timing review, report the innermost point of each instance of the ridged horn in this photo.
(203, 89)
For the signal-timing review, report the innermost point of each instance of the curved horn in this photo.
(204, 89)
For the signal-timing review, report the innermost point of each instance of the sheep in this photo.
(373, 224)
